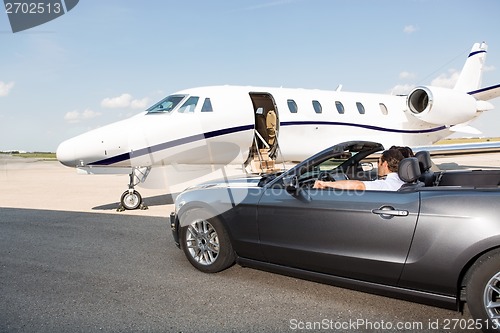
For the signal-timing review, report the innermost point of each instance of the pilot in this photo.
(387, 172)
(271, 126)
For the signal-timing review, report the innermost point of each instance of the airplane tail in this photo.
(471, 74)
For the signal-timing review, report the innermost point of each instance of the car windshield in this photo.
(328, 165)
(167, 104)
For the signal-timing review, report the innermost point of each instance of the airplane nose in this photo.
(66, 154)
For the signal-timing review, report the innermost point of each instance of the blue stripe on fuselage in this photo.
(370, 127)
(212, 134)
(476, 52)
(171, 144)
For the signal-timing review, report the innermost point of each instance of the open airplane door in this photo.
(265, 145)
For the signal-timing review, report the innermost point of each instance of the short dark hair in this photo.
(392, 157)
(405, 150)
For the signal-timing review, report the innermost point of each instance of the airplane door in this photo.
(266, 123)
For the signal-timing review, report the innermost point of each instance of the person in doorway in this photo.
(271, 126)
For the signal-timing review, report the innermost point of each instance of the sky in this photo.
(106, 60)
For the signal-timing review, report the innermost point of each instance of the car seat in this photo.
(425, 164)
(409, 172)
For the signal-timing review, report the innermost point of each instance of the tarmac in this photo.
(48, 185)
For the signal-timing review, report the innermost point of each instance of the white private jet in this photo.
(215, 126)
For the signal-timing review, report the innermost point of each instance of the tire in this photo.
(483, 292)
(205, 242)
(131, 201)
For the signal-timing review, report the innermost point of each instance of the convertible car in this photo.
(435, 241)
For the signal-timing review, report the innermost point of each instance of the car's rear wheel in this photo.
(205, 242)
(483, 292)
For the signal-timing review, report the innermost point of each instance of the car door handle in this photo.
(388, 211)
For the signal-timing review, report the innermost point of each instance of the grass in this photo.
(39, 155)
(466, 140)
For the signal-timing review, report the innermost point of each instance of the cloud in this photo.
(490, 68)
(139, 103)
(446, 80)
(406, 75)
(5, 88)
(76, 116)
(409, 29)
(402, 89)
(124, 101)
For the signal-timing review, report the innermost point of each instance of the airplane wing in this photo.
(485, 94)
(461, 148)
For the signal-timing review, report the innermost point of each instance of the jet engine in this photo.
(441, 106)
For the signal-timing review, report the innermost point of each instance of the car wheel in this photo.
(206, 243)
(483, 292)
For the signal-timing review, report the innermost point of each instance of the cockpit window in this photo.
(167, 104)
(189, 105)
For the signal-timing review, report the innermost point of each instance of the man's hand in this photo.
(319, 184)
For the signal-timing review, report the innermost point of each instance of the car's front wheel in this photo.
(205, 243)
(483, 292)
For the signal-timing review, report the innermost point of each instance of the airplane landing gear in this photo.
(132, 199)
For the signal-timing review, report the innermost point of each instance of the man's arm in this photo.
(341, 184)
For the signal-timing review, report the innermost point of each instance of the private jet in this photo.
(200, 131)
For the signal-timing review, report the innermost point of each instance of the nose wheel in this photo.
(131, 199)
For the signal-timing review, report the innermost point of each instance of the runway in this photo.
(48, 185)
(70, 262)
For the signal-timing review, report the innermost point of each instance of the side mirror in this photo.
(292, 186)
(291, 183)
(367, 166)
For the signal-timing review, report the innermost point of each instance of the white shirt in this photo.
(390, 183)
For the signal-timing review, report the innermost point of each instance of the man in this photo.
(387, 167)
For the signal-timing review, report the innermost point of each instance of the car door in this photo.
(362, 235)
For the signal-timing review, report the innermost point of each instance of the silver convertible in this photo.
(434, 241)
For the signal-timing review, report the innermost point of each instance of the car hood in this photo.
(244, 181)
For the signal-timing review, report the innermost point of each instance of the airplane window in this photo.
(292, 106)
(383, 108)
(361, 108)
(167, 104)
(207, 106)
(317, 107)
(340, 107)
(189, 105)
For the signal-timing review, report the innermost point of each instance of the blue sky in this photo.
(106, 60)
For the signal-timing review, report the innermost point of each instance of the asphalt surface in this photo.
(84, 272)
(77, 265)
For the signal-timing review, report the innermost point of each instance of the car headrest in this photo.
(409, 170)
(424, 160)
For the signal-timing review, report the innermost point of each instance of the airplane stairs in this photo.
(262, 163)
